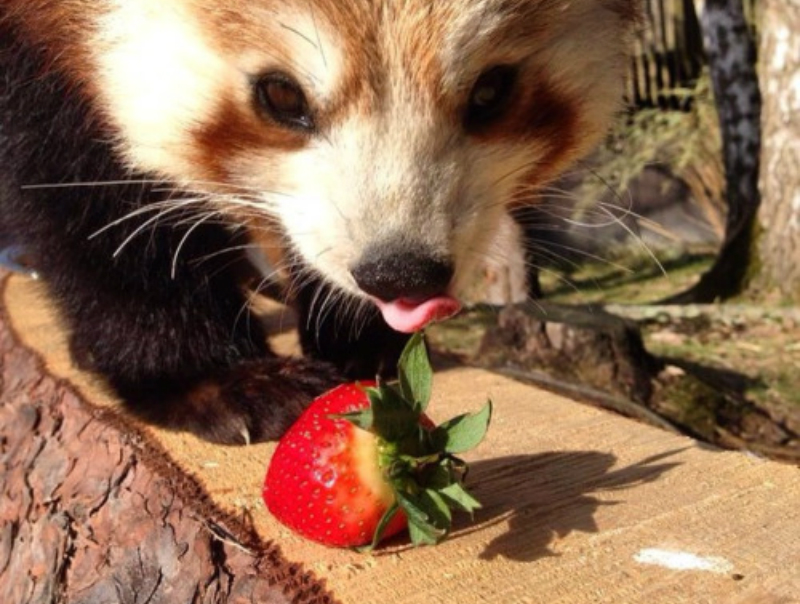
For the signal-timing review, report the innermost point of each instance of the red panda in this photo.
(370, 148)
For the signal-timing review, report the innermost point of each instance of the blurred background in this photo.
(682, 230)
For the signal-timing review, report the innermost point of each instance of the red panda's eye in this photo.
(282, 99)
(490, 96)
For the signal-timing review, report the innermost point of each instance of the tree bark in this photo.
(779, 218)
(731, 57)
(92, 513)
(575, 345)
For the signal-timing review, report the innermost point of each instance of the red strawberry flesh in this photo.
(364, 461)
(332, 469)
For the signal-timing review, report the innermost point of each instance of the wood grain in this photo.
(576, 501)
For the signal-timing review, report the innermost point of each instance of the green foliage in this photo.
(414, 372)
(464, 432)
(420, 463)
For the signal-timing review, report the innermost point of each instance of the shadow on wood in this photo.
(553, 498)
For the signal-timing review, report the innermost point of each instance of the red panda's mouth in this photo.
(407, 315)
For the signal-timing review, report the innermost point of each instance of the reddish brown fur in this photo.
(61, 30)
(233, 128)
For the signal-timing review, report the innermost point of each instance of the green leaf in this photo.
(392, 416)
(464, 432)
(418, 443)
(413, 511)
(439, 476)
(441, 505)
(414, 372)
(425, 520)
(362, 418)
(458, 495)
(387, 517)
(422, 535)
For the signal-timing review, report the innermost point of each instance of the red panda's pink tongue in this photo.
(408, 316)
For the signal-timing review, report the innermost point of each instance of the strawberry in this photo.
(364, 462)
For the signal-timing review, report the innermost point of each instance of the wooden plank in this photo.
(579, 505)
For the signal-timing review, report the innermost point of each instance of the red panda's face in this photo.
(372, 131)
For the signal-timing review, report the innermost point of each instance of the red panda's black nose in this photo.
(389, 273)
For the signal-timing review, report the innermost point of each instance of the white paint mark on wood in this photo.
(678, 560)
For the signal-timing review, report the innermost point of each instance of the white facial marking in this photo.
(407, 169)
(163, 75)
(160, 77)
(313, 53)
(373, 180)
(401, 167)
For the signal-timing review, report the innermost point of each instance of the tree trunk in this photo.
(90, 512)
(779, 218)
(731, 58)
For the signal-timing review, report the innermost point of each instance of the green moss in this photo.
(781, 386)
(629, 277)
(691, 403)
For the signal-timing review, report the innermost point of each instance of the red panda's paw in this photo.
(255, 401)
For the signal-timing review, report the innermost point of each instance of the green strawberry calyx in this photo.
(419, 462)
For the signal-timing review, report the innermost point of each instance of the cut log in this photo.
(579, 505)
(93, 511)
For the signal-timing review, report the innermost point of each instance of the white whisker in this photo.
(88, 184)
(183, 240)
(138, 230)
